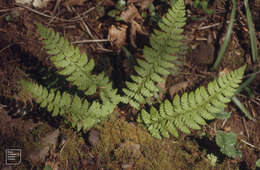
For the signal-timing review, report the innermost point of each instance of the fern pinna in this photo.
(166, 47)
(191, 109)
(80, 113)
(77, 68)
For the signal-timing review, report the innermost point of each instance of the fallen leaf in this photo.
(177, 87)
(135, 27)
(117, 36)
(40, 3)
(74, 2)
(143, 4)
(139, 28)
(24, 2)
(224, 72)
(108, 3)
(130, 13)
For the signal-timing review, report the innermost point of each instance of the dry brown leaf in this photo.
(74, 2)
(177, 87)
(130, 13)
(135, 27)
(108, 3)
(144, 4)
(225, 71)
(117, 36)
(139, 28)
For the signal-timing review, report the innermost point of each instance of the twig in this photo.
(85, 26)
(249, 144)
(90, 41)
(244, 123)
(8, 46)
(224, 122)
(75, 19)
(54, 11)
(208, 26)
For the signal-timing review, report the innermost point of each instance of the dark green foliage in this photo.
(166, 47)
(191, 109)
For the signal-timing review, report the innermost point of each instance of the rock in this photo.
(50, 140)
(93, 137)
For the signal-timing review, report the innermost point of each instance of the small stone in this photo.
(93, 137)
(127, 166)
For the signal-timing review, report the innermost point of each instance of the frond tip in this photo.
(76, 66)
(192, 109)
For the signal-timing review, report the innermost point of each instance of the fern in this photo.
(76, 66)
(80, 113)
(191, 109)
(166, 47)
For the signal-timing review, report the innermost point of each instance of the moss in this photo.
(124, 144)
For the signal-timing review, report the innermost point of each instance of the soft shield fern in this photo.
(191, 109)
(166, 47)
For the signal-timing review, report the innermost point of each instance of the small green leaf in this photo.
(258, 163)
(227, 142)
(47, 168)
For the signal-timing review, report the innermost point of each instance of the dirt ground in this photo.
(120, 142)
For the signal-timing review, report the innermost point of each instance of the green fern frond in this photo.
(166, 47)
(72, 64)
(192, 109)
(77, 67)
(80, 113)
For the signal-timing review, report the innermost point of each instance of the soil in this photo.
(120, 142)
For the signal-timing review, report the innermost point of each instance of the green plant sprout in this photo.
(227, 142)
(258, 163)
(212, 159)
(203, 4)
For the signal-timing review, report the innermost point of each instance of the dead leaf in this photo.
(135, 27)
(117, 36)
(144, 4)
(40, 3)
(224, 72)
(108, 3)
(177, 87)
(24, 2)
(130, 13)
(74, 2)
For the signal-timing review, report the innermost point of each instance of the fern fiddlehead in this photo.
(191, 109)
(166, 46)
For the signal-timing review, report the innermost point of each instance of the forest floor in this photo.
(112, 32)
